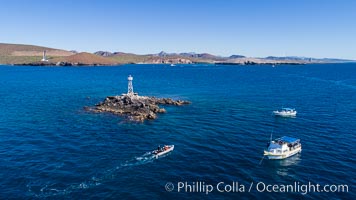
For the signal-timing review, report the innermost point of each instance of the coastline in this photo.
(31, 55)
(199, 63)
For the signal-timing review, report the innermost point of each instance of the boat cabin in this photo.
(284, 144)
(288, 109)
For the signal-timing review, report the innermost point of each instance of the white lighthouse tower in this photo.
(44, 58)
(129, 85)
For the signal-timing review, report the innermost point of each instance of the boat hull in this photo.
(282, 155)
(171, 148)
(284, 114)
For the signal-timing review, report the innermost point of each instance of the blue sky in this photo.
(313, 28)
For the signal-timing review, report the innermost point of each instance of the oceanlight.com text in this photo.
(237, 187)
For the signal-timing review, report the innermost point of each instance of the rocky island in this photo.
(134, 107)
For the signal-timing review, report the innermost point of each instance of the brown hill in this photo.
(86, 58)
(30, 50)
(128, 57)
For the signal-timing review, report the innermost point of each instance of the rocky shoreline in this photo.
(134, 107)
(61, 64)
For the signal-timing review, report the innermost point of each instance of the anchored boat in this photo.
(163, 150)
(283, 147)
(285, 112)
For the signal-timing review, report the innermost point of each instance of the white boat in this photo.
(164, 150)
(285, 112)
(173, 65)
(283, 147)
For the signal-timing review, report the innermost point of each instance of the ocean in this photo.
(50, 147)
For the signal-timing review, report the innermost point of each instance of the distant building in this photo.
(44, 58)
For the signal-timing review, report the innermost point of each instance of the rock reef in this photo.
(136, 108)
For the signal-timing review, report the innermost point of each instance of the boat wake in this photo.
(52, 189)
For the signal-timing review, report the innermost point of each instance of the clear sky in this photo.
(312, 28)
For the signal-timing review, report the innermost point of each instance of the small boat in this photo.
(283, 147)
(285, 112)
(173, 65)
(163, 150)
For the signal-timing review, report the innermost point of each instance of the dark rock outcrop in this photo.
(64, 64)
(136, 108)
(104, 53)
(236, 56)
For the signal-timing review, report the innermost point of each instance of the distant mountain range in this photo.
(163, 54)
(308, 59)
(19, 54)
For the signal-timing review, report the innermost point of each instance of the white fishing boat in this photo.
(163, 150)
(285, 112)
(283, 147)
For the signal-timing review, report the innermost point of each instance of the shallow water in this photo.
(51, 147)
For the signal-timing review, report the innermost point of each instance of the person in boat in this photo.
(158, 148)
(166, 147)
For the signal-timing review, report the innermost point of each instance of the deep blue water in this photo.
(51, 148)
